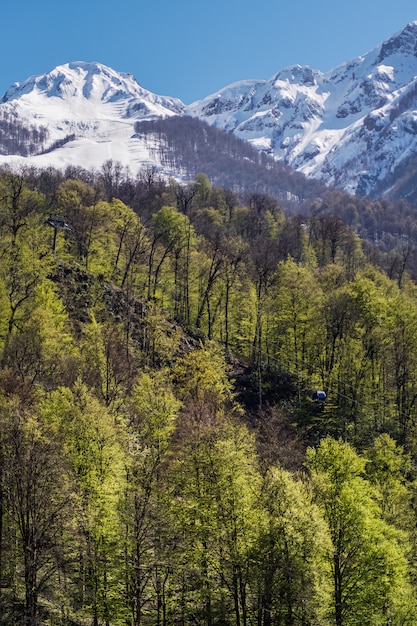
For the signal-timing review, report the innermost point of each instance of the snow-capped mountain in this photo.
(82, 114)
(352, 127)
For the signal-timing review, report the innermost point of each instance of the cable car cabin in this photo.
(319, 396)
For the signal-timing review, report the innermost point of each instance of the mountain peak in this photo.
(404, 42)
(299, 74)
(95, 83)
(77, 78)
(351, 127)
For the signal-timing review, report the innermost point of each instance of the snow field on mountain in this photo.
(349, 127)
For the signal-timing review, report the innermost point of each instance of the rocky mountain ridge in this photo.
(354, 127)
(349, 127)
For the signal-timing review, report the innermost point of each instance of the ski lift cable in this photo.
(276, 360)
(307, 364)
(337, 392)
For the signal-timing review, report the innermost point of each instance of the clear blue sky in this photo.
(190, 49)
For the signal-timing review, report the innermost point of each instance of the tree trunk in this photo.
(31, 600)
(337, 590)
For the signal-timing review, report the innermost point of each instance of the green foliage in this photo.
(294, 541)
(129, 244)
(162, 339)
(35, 513)
(293, 318)
(368, 558)
(219, 512)
(387, 467)
(106, 353)
(201, 376)
(93, 449)
(130, 485)
(156, 408)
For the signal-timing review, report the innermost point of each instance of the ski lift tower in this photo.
(58, 223)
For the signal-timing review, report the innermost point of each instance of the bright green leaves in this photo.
(368, 559)
(106, 353)
(35, 512)
(129, 426)
(20, 208)
(293, 318)
(387, 468)
(335, 461)
(130, 243)
(218, 507)
(93, 449)
(293, 544)
(173, 239)
(155, 409)
(201, 376)
(43, 351)
(91, 441)
(23, 251)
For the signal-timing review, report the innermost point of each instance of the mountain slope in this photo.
(82, 113)
(350, 127)
(85, 114)
(187, 146)
(354, 127)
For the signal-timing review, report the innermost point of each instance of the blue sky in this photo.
(190, 49)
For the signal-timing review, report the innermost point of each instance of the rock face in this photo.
(353, 127)
(350, 127)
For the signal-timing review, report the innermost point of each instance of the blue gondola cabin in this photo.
(319, 396)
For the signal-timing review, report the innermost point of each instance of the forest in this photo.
(186, 146)
(163, 458)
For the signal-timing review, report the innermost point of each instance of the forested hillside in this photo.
(186, 146)
(163, 458)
